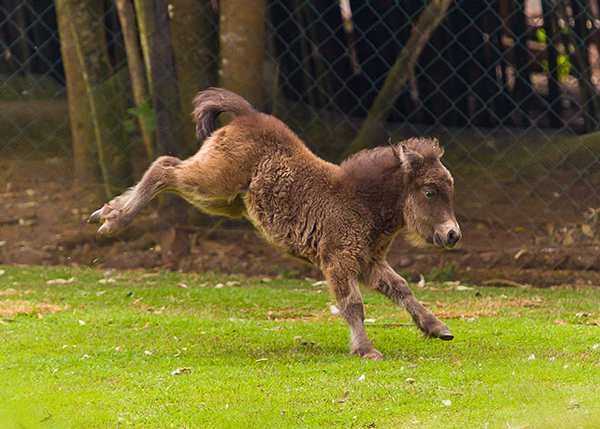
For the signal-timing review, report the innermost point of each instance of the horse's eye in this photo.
(430, 193)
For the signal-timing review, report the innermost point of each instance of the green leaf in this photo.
(541, 36)
(145, 112)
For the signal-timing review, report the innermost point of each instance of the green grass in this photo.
(270, 355)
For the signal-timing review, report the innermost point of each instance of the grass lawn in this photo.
(95, 349)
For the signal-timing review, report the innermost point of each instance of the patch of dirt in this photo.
(482, 307)
(13, 292)
(12, 308)
(289, 314)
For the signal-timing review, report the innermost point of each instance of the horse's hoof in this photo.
(372, 355)
(438, 330)
(95, 217)
(445, 335)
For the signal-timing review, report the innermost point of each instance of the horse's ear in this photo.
(410, 158)
(438, 149)
(397, 150)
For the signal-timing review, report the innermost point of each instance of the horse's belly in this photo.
(282, 230)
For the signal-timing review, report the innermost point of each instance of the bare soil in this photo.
(42, 222)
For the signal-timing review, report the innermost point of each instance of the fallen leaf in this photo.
(463, 288)
(148, 275)
(361, 378)
(232, 283)
(182, 285)
(410, 380)
(81, 322)
(180, 371)
(520, 253)
(421, 282)
(27, 221)
(12, 292)
(61, 281)
(27, 205)
(12, 308)
(531, 357)
(2, 272)
(334, 310)
(587, 230)
(219, 286)
(344, 397)
(446, 402)
(261, 360)
(320, 283)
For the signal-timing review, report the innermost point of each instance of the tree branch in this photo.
(400, 73)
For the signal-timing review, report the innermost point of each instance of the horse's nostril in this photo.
(453, 237)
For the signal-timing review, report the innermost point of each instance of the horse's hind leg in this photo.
(210, 177)
(119, 212)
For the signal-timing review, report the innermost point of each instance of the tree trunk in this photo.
(488, 88)
(4, 64)
(242, 43)
(435, 103)
(137, 74)
(504, 103)
(523, 91)
(103, 93)
(400, 73)
(80, 120)
(20, 25)
(302, 15)
(589, 99)
(193, 30)
(459, 57)
(594, 14)
(554, 105)
(145, 23)
(162, 79)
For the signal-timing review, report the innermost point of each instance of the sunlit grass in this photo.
(269, 354)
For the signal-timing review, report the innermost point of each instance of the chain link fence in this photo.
(510, 88)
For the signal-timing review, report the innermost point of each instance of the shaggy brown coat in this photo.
(341, 218)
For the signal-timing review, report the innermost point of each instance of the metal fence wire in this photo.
(510, 88)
